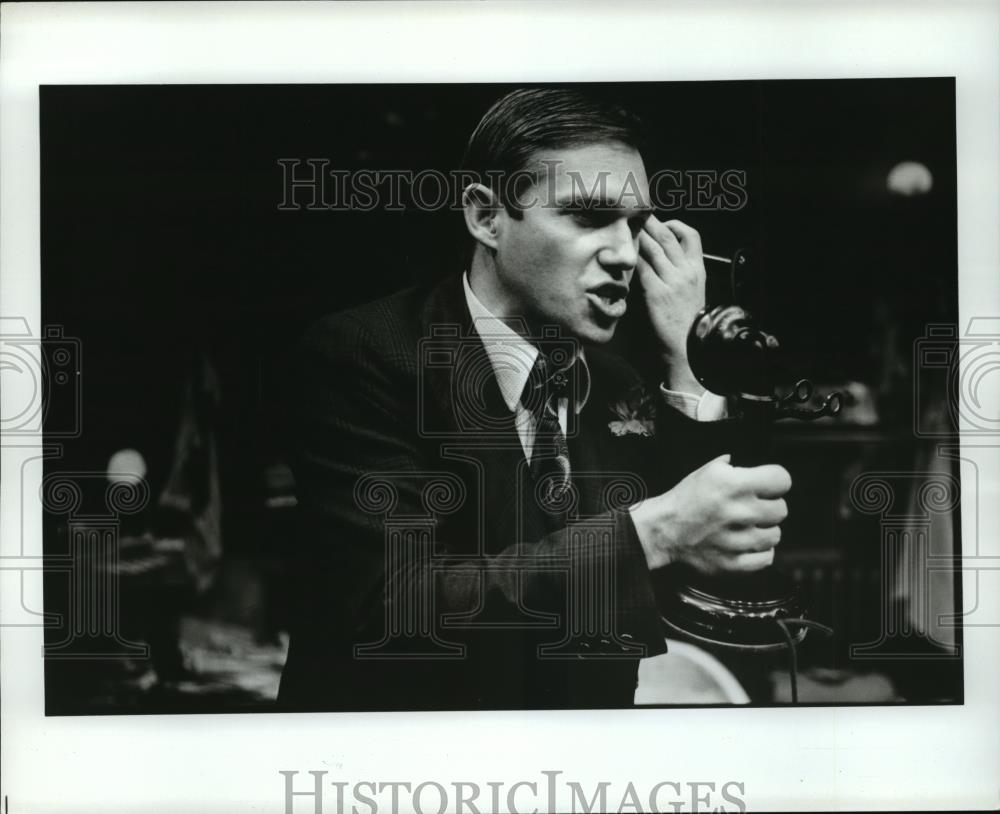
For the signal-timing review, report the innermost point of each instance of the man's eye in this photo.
(592, 217)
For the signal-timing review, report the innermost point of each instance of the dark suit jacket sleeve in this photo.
(354, 415)
(686, 443)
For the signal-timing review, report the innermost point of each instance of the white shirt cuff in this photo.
(706, 407)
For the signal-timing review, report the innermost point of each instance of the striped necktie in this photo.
(550, 468)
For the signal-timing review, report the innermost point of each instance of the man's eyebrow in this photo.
(599, 202)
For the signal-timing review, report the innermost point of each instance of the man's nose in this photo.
(621, 253)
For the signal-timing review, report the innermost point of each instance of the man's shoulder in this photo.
(390, 326)
(384, 319)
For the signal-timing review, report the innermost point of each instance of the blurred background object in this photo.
(910, 178)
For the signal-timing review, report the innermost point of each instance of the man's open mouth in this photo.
(610, 299)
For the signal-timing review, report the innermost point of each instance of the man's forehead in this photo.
(601, 175)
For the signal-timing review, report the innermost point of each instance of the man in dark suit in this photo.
(484, 492)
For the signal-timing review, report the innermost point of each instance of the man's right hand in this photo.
(719, 519)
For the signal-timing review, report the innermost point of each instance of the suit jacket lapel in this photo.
(473, 416)
(596, 454)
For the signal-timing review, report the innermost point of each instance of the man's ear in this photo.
(482, 208)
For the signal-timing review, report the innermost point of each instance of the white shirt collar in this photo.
(511, 355)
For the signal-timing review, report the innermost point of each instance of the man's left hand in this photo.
(672, 274)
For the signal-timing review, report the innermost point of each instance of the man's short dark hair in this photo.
(530, 120)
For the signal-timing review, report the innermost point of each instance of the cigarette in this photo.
(716, 258)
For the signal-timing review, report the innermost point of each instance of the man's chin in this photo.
(585, 331)
(597, 334)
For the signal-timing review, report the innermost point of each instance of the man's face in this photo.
(570, 258)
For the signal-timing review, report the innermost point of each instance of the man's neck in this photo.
(484, 282)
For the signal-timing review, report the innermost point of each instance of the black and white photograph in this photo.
(390, 417)
(489, 397)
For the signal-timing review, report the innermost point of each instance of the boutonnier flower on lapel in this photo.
(636, 414)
